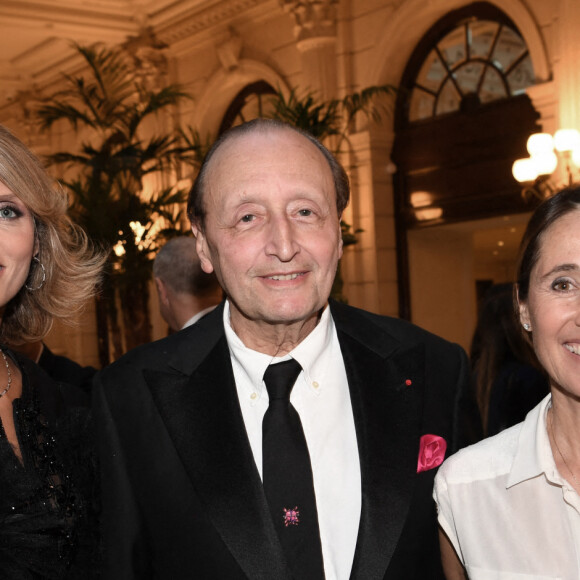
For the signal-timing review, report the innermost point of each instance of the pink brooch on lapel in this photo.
(291, 517)
(431, 452)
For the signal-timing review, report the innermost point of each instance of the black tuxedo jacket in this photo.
(64, 370)
(181, 492)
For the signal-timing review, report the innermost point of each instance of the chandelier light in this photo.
(554, 162)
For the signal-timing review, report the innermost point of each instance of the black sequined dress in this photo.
(48, 502)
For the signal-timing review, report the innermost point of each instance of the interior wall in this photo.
(498, 273)
(77, 342)
(443, 297)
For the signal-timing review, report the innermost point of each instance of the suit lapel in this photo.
(199, 405)
(386, 385)
(203, 417)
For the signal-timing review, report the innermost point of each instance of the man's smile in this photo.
(283, 277)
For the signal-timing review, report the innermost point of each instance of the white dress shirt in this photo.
(322, 399)
(197, 316)
(507, 510)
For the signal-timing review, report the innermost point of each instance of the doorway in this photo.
(462, 117)
(453, 265)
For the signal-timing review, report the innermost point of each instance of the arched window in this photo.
(462, 117)
(250, 103)
(467, 62)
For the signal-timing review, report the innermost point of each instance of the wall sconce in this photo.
(538, 172)
(422, 203)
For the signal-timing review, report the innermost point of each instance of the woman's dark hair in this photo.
(497, 340)
(549, 212)
(195, 203)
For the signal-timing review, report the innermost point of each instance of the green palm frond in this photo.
(110, 83)
(153, 101)
(333, 117)
(57, 111)
(194, 148)
(97, 100)
(318, 119)
(369, 101)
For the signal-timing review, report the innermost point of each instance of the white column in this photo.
(315, 33)
(544, 99)
(567, 69)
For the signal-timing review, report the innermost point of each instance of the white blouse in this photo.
(507, 510)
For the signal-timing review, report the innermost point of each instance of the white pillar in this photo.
(315, 33)
(567, 69)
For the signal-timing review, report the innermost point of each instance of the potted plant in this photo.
(115, 178)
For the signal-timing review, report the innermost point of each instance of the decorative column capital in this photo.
(229, 51)
(148, 56)
(314, 19)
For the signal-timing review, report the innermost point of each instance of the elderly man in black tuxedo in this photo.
(284, 435)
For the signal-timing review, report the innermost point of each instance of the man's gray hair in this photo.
(178, 266)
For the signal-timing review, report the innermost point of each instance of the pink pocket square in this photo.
(431, 452)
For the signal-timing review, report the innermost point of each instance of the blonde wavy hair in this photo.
(72, 265)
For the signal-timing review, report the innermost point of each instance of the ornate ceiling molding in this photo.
(116, 16)
(314, 19)
(37, 35)
(195, 20)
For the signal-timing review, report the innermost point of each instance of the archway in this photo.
(462, 118)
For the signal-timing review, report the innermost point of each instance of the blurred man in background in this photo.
(185, 291)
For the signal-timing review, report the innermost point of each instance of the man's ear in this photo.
(202, 249)
(340, 241)
(161, 291)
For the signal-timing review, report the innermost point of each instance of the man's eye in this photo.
(305, 212)
(247, 218)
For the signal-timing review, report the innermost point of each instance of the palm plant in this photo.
(108, 106)
(330, 119)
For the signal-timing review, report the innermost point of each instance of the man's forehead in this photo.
(262, 137)
(257, 166)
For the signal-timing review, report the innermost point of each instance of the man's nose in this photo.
(282, 241)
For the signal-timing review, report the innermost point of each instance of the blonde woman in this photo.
(48, 269)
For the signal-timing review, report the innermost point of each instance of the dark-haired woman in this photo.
(509, 507)
(48, 503)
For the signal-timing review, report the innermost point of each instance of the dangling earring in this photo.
(527, 326)
(34, 289)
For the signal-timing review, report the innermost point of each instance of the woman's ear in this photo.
(524, 313)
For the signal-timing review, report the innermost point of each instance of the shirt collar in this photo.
(534, 454)
(307, 353)
(197, 316)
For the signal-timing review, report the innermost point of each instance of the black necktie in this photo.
(287, 475)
